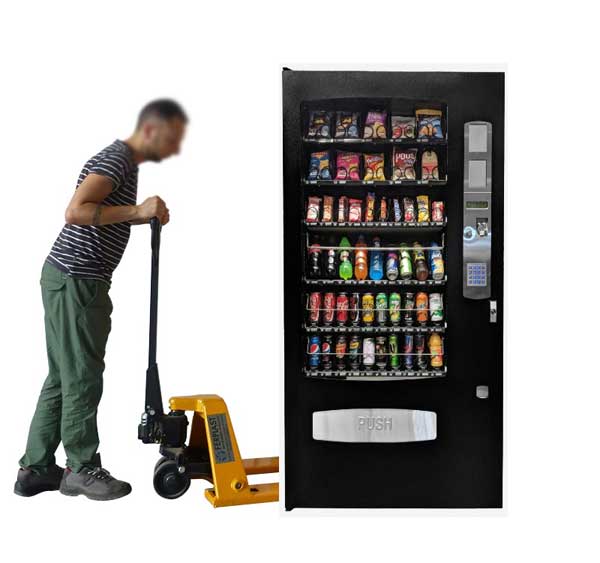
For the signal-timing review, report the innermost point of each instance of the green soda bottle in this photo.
(345, 262)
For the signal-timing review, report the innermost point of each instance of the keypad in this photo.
(476, 274)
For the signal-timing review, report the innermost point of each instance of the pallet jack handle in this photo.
(153, 392)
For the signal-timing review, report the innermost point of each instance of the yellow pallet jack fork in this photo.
(212, 453)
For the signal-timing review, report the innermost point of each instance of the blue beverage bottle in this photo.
(376, 266)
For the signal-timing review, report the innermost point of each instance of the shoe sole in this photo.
(32, 492)
(77, 492)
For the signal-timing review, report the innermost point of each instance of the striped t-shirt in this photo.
(93, 252)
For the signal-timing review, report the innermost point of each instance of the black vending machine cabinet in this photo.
(393, 281)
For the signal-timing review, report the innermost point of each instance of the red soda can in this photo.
(341, 308)
(354, 309)
(329, 308)
(437, 211)
(314, 307)
(343, 209)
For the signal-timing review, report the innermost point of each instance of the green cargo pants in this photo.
(77, 321)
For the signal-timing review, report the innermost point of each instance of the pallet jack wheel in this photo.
(168, 481)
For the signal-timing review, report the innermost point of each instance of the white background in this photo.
(73, 77)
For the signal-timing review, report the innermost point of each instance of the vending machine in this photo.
(393, 289)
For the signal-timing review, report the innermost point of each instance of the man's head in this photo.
(160, 129)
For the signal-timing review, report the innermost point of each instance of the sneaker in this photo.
(94, 483)
(30, 483)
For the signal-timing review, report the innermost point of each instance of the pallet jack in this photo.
(212, 453)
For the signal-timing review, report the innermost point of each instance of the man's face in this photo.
(162, 138)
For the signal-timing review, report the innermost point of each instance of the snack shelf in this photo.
(362, 142)
(374, 375)
(376, 283)
(325, 226)
(376, 329)
(375, 183)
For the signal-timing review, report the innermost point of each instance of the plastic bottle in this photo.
(376, 267)
(345, 260)
(361, 268)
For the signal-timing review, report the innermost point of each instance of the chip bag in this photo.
(313, 209)
(319, 168)
(429, 166)
(319, 125)
(404, 164)
(429, 123)
(403, 127)
(374, 167)
(347, 166)
(375, 125)
(346, 125)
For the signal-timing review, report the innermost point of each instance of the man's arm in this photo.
(85, 206)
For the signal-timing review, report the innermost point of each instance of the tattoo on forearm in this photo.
(96, 219)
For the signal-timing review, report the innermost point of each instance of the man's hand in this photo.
(151, 207)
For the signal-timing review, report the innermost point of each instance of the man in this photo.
(75, 283)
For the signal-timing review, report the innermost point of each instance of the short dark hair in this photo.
(163, 109)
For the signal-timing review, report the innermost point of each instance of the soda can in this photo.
(436, 351)
(436, 308)
(368, 306)
(353, 352)
(368, 352)
(314, 258)
(314, 307)
(436, 262)
(395, 309)
(341, 308)
(381, 352)
(343, 209)
(437, 211)
(353, 309)
(391, 266)
(422, 307)
(420, 351)
(406, 269)
(394, 358)
(341, 346)
(329, 308)
(409, 309)
(326, 353)
(408, 351)
(314, 349)
(381, 305)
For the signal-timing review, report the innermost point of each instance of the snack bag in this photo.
(374, 167)
(346, 125)
(429, 166)
(318, 168)
(319, 125)
(429, 123)
(347, 166)
(404, 164)
(383, 209)
(408, 203)
(397, 211)
(403, 127)
(355, 211)
(312, 211)
(423, 208)
(375, 125)
(327, 208)
(370, 211)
